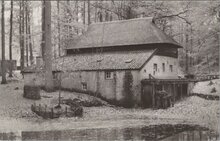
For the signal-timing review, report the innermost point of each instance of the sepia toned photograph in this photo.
(109, 70)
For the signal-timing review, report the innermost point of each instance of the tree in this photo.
(21, 33)
(77, 12)
(84, 12)
(58, 26)
(43, 30)
(26, 33)
(29, 34)
(48, 47)
(3, 65)
(10, 39)
(89, 12)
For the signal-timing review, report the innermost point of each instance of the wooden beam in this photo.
(174, 92)
(153, 96)
(142, 93)
(187, 89)
(181, 91)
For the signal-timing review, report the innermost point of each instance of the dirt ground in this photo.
(15, 113)
(206, 87)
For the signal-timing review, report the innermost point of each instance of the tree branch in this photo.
(175, 15)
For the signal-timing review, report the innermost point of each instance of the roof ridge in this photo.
(137, 31)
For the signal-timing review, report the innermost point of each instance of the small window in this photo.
(55, 75)
(84, 86)
(108, 75)
(171, 68)
(163, 65)
(128, 61)
(155, 67)
(99, 60)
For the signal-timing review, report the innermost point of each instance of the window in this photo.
(54, 75)
(171, 68)
(84, 85)
(108, 75)
(128, 61)
(163, 65)
(155, 68)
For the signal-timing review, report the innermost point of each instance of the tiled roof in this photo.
(140, 31)
(105, 61)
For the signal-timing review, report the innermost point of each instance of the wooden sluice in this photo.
(163, 93)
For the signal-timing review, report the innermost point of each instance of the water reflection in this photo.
(8, 136)
(155, 132)
(193, 136)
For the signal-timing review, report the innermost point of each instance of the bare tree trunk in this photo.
(191, 47)
(20, 9)
(3, 66)
(186, 49)
(10, 40)
(21, 31)
(29, 35)
(219, 53)
(58, 22)
(77, 12)
(43, 30)
(89, 12)
(95, 11)
(26, 33)
(84, 12)
(208, 64)
(48, 48)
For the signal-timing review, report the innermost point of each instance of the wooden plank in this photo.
(153, 95)
(187, 88)
(181, 91)
(142, 93)
(174, 92)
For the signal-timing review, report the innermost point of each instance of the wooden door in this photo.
(146, 96)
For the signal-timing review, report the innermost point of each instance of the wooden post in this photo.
(153, 95)
(39, 108)
(208, 64)
(174, 92)
(142, 93)
(52, 113)
(34, 107)
(181, 91)
(45, 111)
(187, 89)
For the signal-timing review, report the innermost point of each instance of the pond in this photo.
(164, 132)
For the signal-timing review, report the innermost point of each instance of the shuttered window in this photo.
(108, 75)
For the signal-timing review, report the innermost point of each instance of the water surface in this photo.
(164, 132)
